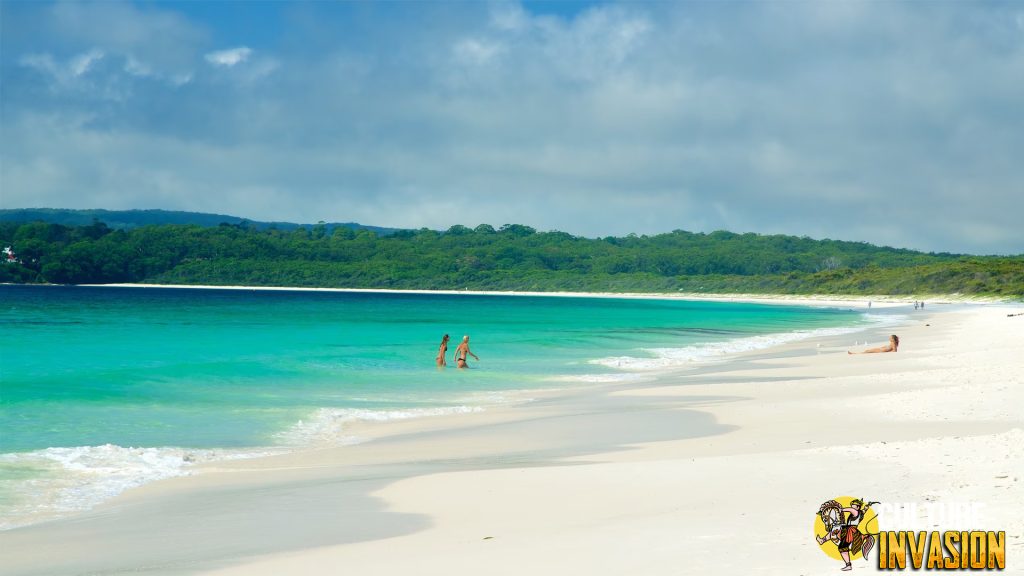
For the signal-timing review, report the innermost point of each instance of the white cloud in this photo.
(262, 68)
(40, 62)
(880, 122)
(597, 42)
(81, 64)
(241, 65)
(624, 37)
(163, 39)
(64, 74)
(476, 52)
(84, 75)
(509, 17)
(229, 58)
(181, 79)
(137, 68)
(773, 158)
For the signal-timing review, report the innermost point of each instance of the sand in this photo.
(714, 470)
(831, 300)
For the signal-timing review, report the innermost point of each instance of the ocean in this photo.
(105, 388)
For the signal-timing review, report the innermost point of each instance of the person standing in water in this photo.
(442, 351)
(461, 351)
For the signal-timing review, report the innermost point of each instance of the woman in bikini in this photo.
(461, 351)
(442, 351)
(894, 343)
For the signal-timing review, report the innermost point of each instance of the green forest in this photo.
(512, 257)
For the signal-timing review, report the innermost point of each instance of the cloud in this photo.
(75, 67)
(476, 52)
(97, 50)
(892, 123)
(137, 68)
(43, 63)
(228, 58)
(509, 16)
(65, 75)
(163, 39)
(83, 62)
(598, 42)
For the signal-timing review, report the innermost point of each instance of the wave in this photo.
(53, 482)
(614, 378)
(44, 484)
(329, 425)
(669, 358)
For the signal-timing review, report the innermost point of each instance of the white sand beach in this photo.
(714, 470)
(831, 300)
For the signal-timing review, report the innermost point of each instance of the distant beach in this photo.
(786, 299)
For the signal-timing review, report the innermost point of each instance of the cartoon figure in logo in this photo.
(842, 528)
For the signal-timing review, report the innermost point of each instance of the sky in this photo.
(894, 123)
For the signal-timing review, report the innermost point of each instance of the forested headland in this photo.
(512, 257)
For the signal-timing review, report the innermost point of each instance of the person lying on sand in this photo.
(894, 343)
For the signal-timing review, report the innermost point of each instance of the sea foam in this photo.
(55, 481)
(615, 378)
(329, 425)
(669, 358)
(50, 483)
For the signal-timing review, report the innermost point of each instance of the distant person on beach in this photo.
(442, 351)
(461, 351)
(894, 343)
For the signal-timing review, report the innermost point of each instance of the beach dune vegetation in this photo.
(512, 257)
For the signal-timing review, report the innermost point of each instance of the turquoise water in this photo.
(143, 381)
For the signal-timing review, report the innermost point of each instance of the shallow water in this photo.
(103, 389)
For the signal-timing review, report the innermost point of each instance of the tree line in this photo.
(512, 257)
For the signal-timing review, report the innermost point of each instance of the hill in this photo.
(128, 219)
(513, 257)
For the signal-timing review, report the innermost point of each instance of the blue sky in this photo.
(896, 123)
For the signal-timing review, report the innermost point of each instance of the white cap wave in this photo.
(667, 358)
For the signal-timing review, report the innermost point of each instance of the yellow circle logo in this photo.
(845, 528)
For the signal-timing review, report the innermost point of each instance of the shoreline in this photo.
(880, 300)
(425, 490)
